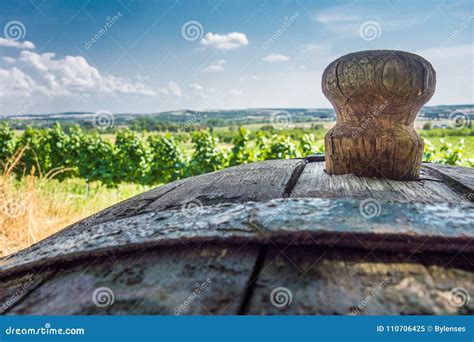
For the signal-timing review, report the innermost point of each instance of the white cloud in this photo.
(272, 58)
(174, 88)
(71, 75)
(225, 41)
(216, 66)
(13, 82)
(8, 60)
(196, 87)
(198, 92)
(18, 45)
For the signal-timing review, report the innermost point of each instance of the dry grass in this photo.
(35, 207)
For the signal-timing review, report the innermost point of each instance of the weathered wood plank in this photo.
(235, 184)
(251, 182)
(463, 176)
(268, 179)
(313, 221)
(130, 207)
(315, 182)
(166, 281)
(344, 282)
(14, 290)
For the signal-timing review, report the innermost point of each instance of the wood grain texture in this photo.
(130, 207)
(414, 227)
(15, 289)
(413, 247)
(315, 182)
(197, 280)
(348, 282)
(457, 177)
(269, 179)
(376, 95)
(251, 182)
(235, 184)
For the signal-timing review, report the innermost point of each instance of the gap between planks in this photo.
(263, 251)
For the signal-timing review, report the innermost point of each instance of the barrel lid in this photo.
(276, 202)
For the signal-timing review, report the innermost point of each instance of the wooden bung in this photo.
(377, 95)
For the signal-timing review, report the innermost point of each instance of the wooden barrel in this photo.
(274, 237)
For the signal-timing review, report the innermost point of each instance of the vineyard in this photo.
(150, 159)
(50, 178)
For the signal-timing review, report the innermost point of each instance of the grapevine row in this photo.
(154, 160)
(158, 158)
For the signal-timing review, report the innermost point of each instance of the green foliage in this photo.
(443, 132)
(206, 156)
(7, 145)
(93, 158)
(168, 162)
(447, 153)
(131, 158)
(452, 155)
(242, 152)
(36, 156)
(46, 151)
(308, 145)
(280, 147)
(59, 151)
(427, 126)
(162, 158)
(429, 151)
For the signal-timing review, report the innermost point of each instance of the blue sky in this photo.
(235, 54)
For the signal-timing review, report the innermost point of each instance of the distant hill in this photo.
(212, 117)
